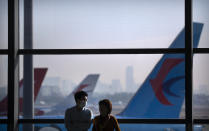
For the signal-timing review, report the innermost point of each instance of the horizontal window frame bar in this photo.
(99, 51)
(108, 51)
(201, 50)
(4, 52)
(201, 121)
(152, 121)
(104, 51)
(3, 121)
(123, 121)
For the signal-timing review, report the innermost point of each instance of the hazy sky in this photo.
(109, 24)
(106, 24)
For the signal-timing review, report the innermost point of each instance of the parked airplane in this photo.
(39, 74)
(88, 85)
(160, 96)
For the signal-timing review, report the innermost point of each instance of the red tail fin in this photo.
(39, 74)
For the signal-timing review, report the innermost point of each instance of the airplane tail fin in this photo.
(162, 93)
(39, 74)
(88, 85)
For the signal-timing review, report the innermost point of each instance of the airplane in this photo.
(160, 96)
(88, 85)
(39, 74)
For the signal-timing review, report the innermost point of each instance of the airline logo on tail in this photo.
(162, 93)
(81, 87)
(88, 84)
(159, 86)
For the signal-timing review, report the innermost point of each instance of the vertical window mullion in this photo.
(188, 64)
(13, 64)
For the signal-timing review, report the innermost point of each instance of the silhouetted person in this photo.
(105, 121)
(78, 118)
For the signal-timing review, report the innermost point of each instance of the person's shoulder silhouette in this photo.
(105, 121)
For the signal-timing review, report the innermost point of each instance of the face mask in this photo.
(83, 104)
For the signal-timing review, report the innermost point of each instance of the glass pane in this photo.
(131, 82)
(3, 127)
(3, 24)
(3, 85)
(107, 24)
(201, 86)
(203, 126)
(46, 127)
(123, 127)
(200, 14)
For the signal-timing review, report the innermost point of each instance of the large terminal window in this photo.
(133, 50)
(122, 82)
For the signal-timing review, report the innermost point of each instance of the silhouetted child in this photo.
(105, 121)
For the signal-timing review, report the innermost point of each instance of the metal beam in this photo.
(13, 64)
(109, 51)
(3, 52)
(28, 90)
(100, 51)
(125, 121)
(188, 64)
(139, 121)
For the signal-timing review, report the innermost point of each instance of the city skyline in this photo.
(67, 85)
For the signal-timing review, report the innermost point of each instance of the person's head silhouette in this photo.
(81, 99)
(105, 107)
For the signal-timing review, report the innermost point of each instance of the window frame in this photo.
(13, 52)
